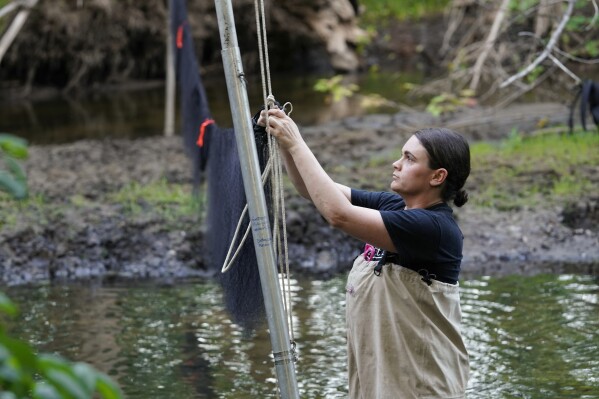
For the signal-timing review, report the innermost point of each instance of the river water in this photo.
(528, 337)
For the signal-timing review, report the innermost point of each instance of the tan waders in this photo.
(403, 335)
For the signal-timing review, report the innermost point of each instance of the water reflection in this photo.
(533, 336)
(140, 113)
(529, 337)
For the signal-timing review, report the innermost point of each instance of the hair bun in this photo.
(461, 197)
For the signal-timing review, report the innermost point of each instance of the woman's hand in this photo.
(282, 127)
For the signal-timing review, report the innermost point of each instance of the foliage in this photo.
(12, 177)
(376, 101)
(335, 88)
(448, 102)
(25, 374)
(576, 36)
(377, 10)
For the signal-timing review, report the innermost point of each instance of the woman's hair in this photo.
(449, 150)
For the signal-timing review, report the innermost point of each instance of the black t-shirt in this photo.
(427, 239)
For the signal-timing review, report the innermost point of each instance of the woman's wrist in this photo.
(297, 148)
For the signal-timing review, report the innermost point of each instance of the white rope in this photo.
(273, 170)
(277, 175)
(229, 262)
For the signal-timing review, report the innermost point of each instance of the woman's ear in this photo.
(439, 176)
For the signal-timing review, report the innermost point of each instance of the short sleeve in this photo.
(377, 200)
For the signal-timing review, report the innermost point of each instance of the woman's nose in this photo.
(397, 164)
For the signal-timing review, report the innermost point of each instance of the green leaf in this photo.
(13, 145)
(16, 169)
(87, 376)
(66, 383)
(48, 363)
(14, 187)
(7, 306)
(592, 48)
(107, 388)
(43, 390)
(9, 372)
(20, 351)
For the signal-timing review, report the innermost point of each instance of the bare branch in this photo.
(590, 25)
(563, 68)
(524, 89)
(556, 34)
(455, 19)
(16, 25)
(477, 70)
(574, 58)
(555, 60)
(9, 8)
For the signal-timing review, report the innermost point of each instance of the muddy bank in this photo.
(75, 229)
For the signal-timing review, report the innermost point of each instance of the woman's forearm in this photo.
(294, 174)
(331, 199)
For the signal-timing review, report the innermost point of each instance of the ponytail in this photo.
(461, 197)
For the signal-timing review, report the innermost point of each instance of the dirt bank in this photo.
(75, 229)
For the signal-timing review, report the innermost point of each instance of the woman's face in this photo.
(411, 174)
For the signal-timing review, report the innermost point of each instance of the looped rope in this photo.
(288, 105)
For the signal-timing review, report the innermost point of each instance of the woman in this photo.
(402, 309)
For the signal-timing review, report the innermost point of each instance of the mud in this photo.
(80, 234)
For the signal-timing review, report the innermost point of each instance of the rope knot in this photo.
(270, 101)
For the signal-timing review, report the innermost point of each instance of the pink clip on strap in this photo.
(369, 252)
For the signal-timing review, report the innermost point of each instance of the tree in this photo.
(513, 46)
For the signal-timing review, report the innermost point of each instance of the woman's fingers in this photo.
(275, 123)
(283, 128)
(262, 119)
(276, 112)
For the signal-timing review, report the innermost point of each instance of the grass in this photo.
(377, 10)
(527, 171)
(168, 201)
(12, 212)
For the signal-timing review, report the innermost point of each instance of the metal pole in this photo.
(265, 254)
(169, 104)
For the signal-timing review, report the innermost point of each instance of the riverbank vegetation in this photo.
(375, 11)
(537, 170)
(513, 47)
